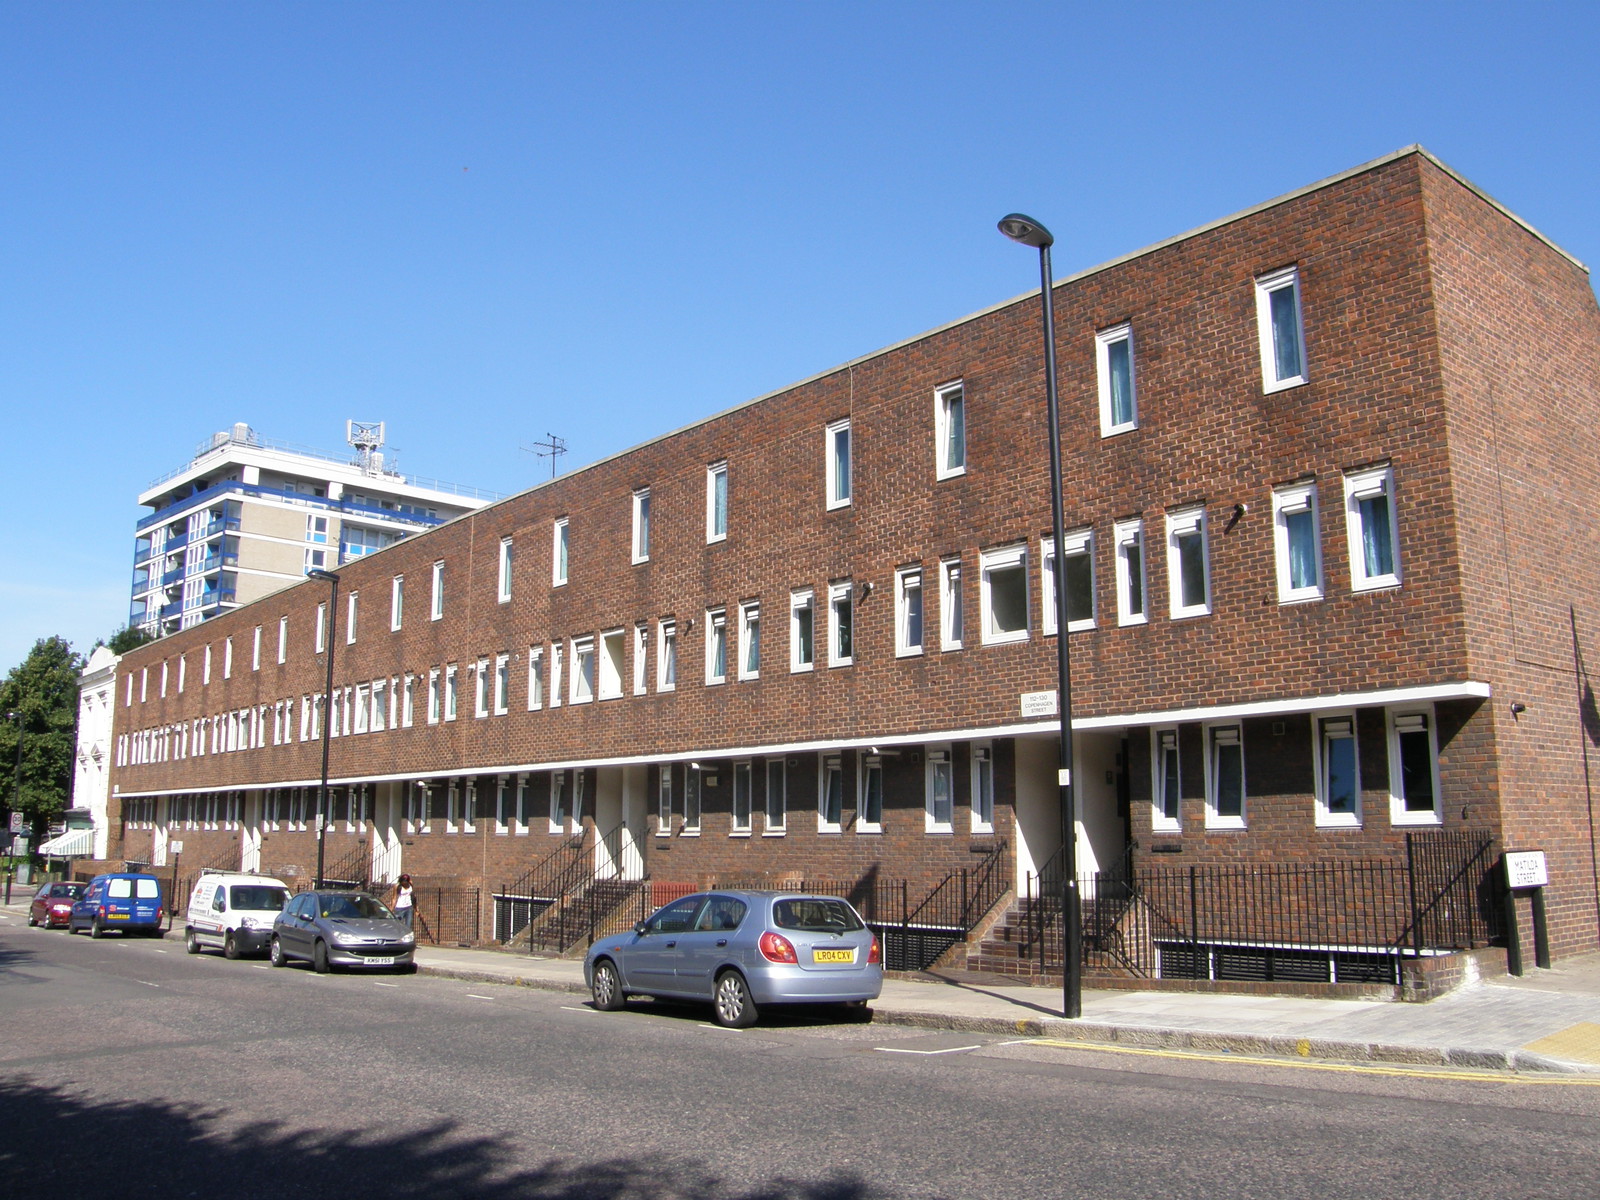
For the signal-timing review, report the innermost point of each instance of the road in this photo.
(130, 1068)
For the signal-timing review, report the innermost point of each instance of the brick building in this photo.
(1330, 475)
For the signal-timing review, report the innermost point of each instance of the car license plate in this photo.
(381, 962)
(117, 916)
(833, 956)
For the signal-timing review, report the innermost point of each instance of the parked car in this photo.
(126, 901)
(742, 951)
(341, 929)
(52, 904)
(233, 913)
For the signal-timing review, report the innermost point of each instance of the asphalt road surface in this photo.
(129, 1069)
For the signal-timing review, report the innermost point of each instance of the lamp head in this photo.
(1020, 228)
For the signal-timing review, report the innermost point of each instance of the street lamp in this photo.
(1029, 232)
(327, 716)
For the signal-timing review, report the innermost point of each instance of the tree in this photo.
(43, 692)
(129, 637)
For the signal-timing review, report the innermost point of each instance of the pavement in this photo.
(1547, 1020)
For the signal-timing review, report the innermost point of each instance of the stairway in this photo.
(565, 925)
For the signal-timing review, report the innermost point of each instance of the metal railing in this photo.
(447, 916)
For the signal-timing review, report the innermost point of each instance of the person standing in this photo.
(404, 900)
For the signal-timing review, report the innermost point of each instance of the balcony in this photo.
(141, 554)
(171, 577)
(171, 612)
(387, 516)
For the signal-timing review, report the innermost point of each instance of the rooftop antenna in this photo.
(367, 438)
(552, 448)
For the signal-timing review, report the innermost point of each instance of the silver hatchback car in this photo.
(741, 951)
(341, 929)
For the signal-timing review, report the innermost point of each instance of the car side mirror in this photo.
(638, 927)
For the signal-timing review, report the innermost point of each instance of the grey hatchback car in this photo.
(341, 929)
(740, 951)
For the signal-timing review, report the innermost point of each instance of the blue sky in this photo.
(481, 222)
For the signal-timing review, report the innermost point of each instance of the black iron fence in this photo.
(445, 916)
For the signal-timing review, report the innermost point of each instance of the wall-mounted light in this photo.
(864, 590)
(1518, 708)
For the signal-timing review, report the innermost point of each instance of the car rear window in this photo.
(816, 914)
(119, 889)
(258, 897)
(149, 889)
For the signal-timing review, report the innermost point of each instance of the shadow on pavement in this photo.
(57, 1142)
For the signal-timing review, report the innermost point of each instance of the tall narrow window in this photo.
(1224, 777)
(1129, 537)
(940, 791)
(433, 696)
(583, 670)
(504, 589)
(560, 801)
(741, 797)
(502, 684)
(1370, 525)
(982, 789)
(352, 608)
(667, 656)
(611, 650)
(1078, 567)
(716, 502)
(436, 603)
(555, 675)
(1188, 568)
(480, 688)
(692, 783)
(777, 797)
(869, 803)
(283, 640)
(227, 656)
(535, 677)
(397, 601)
(950, 613)
(750, 640)
(664, 801)
(838, 463)
(950, 430)
(716, 645)
(830, 794)
(1283, 359)
(1119, 409)
(841, 624)
(558, 553)
(1413, 768)
(255, 651)
(908, 611)
(1166, 782)
(1299, 552)
(321, 640)
(408, 704)
(451, 692)
(641, 525)
(1004, 587)
(641, 658)
(802, 631)
(1338, 771)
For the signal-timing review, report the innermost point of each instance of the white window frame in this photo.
(780, 827)
(867, 765)
(554, 691)
(502, 684)
(558, 818)
(436, 599)
(938, 762)
(641, 658)
(585, 669)
(1289, 501)
(1399, 720)
(694, 801)
(952, 614)
(840, 489)
(320, 642)
(908, 592)
(948, 400)
(804, 600)
(452, 692)
(610, 664)
(1364, 485)
(408, 702)
(1103, 342)
(434, 705)
(666, 655)
(227, 660)
(503, 591)
(397, 603)
(716, 645)
(1080, 543)
(480, 688)
(641, 525)
(981, 768)
(829, 764)
(1218, 733)
(1128, 537)
(743, 793)
(535, 678)
(1162, 739)
(560, 547)
(352, 609)
(841, 592)
(716, 513)
(1340, 725)
(1180, 523)
(283, 640)
(255, 651)
(1266, 287)
(1002, 558)
(750, 639)
(664, 801)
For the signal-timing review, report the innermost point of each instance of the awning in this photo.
(75, 843)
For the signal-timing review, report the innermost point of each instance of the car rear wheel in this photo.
(319, 958)
(230, 946)
(32, 920)
(734, 1007)
(275, 953)
(96, 929)
(607, 987)
(191, 944)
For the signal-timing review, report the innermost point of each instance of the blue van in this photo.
(128, 902)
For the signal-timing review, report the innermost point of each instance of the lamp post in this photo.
(327, 717)
(1029, 232)
(16, 798)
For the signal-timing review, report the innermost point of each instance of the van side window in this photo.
(219, 902)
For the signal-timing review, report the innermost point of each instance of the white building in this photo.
(91, 770)
(247, 516)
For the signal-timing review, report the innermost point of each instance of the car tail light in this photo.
(777, 948)
(102, 910)
(875, 955)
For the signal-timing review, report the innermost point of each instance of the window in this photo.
(524, 811)
(255, 651)
(502, 684)
(664, 802)
(558, 553)
(716, 502)
(982, 789)
(830, 794)
(380, 700)
(1078, 567)
(908, 611)
(583, 671)
(950, 615)
(611, 649)
(535, 677)
(450, 692)
(802, 631)
(317, 530)
(408, 704)
(283, 640)
(741, 797)
(1188, 568)
(641, 525)
(750, 640)
(1298, 547)
(1165, 782)
(838, 463)
(1129, 536)
(433, 696)
(1338, 771)
(1370, 525)
(397, 601)
(352, 606)
(436, 608)
(692, 783)
(1283, 359)
(227, 658)
(777, 797)
(321, 637)
(502, 805)
(1119, 406)
(641, 658)
(950, 431)
(869, 803)
(667, 656)
(1004, 586)
(555, 676)
(940, 791)
(1224, 777)
(480, 688)
(716, 645)
(1413, 768)
(505, 570)
(841, 624)
(183, 671)
(560, 801)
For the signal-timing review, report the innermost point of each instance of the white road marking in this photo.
(160, 951)
(903, 1050)
(380, 984)
(578, 1008)
(475, 996)
(261, 966)
(721, 1029)
(147, 983)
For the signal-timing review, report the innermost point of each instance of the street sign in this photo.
(16, 822)
(175, 847)
(1526, 869)
(1039, 704)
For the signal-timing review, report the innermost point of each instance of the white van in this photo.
(233, 913)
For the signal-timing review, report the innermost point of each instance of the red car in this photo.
(52, 904)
